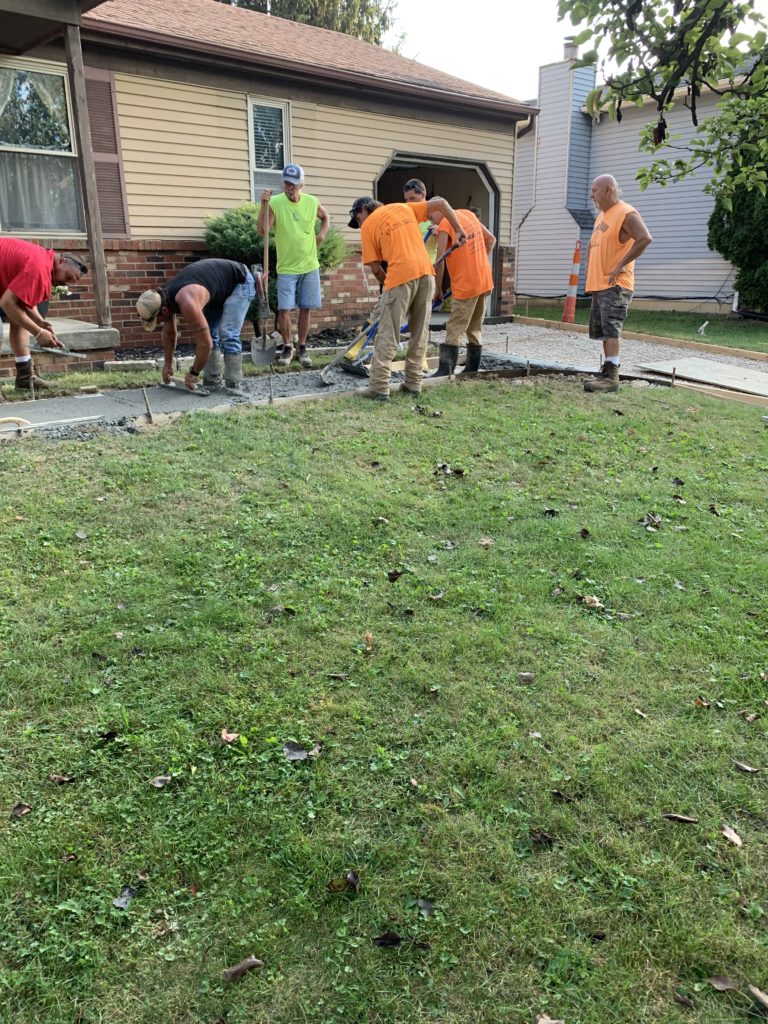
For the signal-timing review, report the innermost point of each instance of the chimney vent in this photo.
(570, 50)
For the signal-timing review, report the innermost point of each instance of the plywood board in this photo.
(721, 375)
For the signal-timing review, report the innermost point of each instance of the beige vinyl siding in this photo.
(185, 154)
(344, 150)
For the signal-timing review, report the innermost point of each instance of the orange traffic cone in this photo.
(569, 313)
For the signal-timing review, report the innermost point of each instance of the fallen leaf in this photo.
(525, 677)
(438, 596)
(677, 482)
(595, 937)
(388, 939)
(434, 691)
(534, 735)
(273, 588)
(346, 883)
(375, 465)
(126, 895)
(540, 838)
(591, 601)
(69, 858)
(701, 702)
(368, 641)
(160, 781)
(557, 592)
(431, 558)
(394, 574)
(731, 835)
(294, 751)
(542, 1018)
(759, 996)
(338, 676)
(679, 499)
(240, 970)
(486, 542)
(682, 818)
(679, 585)
(414, 783)
(561, 798)
(745, 768)
(457, 471)
(443, 469)
(651, 521)
(381, 521)
(723, 983)
(20, 809)
(426, 908)
(119, 636)
(749, 717)
(280, 609)
(683, 1000)
(60, 780)
(618, 412)
(81, 535)
(121, 605)
(550, 513)
(714, 509)
(584, 533)
(448, 545)
(316, 751)
(640, 714)
(229, 737)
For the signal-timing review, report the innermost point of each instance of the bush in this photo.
(233, 235)
(740, 235)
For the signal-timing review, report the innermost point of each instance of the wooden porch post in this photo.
(87, 172)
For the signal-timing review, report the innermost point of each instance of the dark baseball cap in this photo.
(357, 206)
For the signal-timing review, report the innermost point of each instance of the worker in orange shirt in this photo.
(618, 238)
(471, 284)
(390, 234)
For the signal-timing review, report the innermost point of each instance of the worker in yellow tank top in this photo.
(618, 238)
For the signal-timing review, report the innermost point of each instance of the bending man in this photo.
(212, 298)
(390, 234)
(27, 274)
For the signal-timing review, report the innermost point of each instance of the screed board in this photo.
(722, 375)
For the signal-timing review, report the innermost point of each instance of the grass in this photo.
(69, 383)
(231, 573)
(721, 329)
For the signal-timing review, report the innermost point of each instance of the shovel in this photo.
(263, 354)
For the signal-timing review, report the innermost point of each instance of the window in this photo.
(39, 183)
(270, 144)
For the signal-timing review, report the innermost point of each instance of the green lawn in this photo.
(491, 745)
(721, 330)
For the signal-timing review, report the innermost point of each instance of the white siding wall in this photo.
(546, 237)
(678, 264)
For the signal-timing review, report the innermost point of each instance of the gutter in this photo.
(99, 31)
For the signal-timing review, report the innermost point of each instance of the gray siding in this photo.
(555, 166)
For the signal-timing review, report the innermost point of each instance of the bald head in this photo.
(605, 191)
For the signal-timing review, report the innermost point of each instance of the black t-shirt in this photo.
(220, 277)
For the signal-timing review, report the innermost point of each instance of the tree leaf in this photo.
(682, 818)
(229, 737)
(731, 835)
(723, 983)
(748, 769)
(238, 971)
(160, 781)
(19, 810)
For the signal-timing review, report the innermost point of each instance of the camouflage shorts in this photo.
(608, 312)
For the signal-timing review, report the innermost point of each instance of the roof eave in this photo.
(440, 96)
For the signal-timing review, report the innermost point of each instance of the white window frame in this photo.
(47, 67)
(285, 106)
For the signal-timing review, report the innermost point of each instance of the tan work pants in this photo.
(409, 302)
(466, 318)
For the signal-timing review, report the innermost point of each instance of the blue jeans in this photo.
(225, 329)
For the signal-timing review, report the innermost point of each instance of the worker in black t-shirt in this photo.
(212, 298)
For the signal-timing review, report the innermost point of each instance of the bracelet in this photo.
(36, 336)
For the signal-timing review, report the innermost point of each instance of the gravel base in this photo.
(544, 343)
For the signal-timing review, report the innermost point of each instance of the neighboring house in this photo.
(196, 105)
(561, 150)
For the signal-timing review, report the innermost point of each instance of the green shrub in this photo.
(740, 235)
(234, 235)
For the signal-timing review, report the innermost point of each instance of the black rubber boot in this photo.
(448, 356)
(474, 354)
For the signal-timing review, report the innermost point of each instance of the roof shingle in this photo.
(191, 22)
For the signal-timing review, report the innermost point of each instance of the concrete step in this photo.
(81, 336)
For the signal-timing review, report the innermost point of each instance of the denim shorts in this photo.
(299, 290)
(608, 312)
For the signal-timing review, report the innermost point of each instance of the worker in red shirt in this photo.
(27, 275)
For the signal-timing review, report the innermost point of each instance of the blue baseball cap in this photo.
(294, 174)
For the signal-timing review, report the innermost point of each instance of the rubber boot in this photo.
(474, 354)
(608, 380)
(448, 356)
(213, 368)
(233, 371)
(27, 376)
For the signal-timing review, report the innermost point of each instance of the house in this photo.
(196, 105)
(561, 150)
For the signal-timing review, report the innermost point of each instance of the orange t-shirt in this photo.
(469, 266)
(391, 235)
(605, 250)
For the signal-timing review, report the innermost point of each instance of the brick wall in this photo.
(349, 290)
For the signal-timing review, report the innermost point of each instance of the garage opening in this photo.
(464, 183)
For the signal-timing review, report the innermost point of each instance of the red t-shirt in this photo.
(27, 269)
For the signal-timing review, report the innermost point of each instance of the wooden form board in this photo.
(720, 375)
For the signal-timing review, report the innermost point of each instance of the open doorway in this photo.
(464, 183)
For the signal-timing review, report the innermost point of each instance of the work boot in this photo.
(27, 377)
(410, 391)
(233, 371)
(304, 359)
(213, 368)
(285, 357)
(474, 354)
(376, 396)
(608, 380)
(448, 356)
